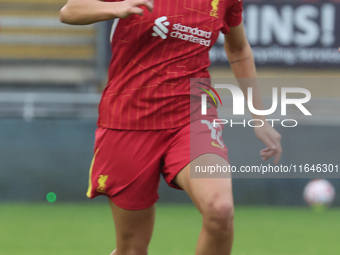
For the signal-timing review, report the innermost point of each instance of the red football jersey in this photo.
(153, 58)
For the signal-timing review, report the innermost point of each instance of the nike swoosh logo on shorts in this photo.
(216, 145)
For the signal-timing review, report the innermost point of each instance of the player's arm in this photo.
(84, 12)
(242, 63)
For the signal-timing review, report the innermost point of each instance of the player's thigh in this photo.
(207, 192)
(133, 226)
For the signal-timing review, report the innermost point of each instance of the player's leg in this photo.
(125, 168)
(213, 198)
(133, 229)
(201, 144)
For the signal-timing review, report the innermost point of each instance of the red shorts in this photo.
(127, 165)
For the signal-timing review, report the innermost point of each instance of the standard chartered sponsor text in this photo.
(191, 34)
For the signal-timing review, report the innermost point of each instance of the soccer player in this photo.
(144, 114)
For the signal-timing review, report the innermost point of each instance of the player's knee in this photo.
(131, 250)
(218, 217)
(132, 245)
(138, 252)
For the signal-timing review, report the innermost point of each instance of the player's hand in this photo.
(272, 139)
(129, 7)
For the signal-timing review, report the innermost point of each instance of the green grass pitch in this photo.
(87, 229)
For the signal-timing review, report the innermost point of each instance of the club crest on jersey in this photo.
(214, 10)
(101, 181)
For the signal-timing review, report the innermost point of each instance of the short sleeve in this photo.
(233, 15)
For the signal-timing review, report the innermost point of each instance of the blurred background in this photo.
(51, 77)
